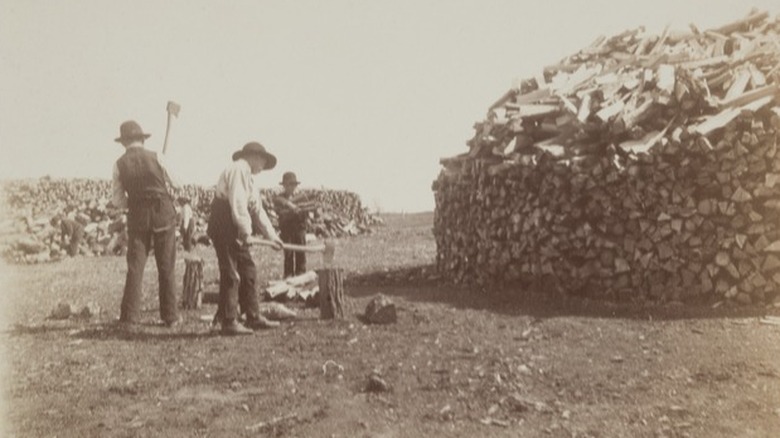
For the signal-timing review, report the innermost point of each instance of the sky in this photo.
(364, 96)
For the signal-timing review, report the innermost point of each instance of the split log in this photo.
(300, 287)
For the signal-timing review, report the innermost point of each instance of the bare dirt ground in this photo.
(458, 362)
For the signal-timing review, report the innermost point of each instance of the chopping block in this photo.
(330, 278)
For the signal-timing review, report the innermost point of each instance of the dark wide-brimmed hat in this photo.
(255, 148)
(289, 178)
(131, 130)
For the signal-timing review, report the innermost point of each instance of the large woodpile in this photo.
(27, 236)
(642, 167)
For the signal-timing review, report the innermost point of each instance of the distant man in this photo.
(236, 213)
(71, 232)
(187, 229)
(292, 225)
(140, 184)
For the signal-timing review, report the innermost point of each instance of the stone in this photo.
(381, 310)
(62, 311)
(89, 310)
(517, 403)
(743, 298)
(376, 384)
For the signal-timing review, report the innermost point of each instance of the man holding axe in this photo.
(236, 213)
(140, 184)
(292, 223)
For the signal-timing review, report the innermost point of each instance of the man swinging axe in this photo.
(140, 184)
(236, 213)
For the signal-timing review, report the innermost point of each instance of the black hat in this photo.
(255, 148)
(289, 178)
(130, 130)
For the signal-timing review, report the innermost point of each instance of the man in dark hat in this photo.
(236, 213)
(292, 224)
(140, 184)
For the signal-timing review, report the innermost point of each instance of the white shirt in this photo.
(236, 185)
(186, 214)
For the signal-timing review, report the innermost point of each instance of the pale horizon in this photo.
(359, 96)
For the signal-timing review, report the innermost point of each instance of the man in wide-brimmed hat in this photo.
(140, 184)
(292, 224)
(236, 213)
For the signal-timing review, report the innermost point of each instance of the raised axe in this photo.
(173, 110)
(328, 249)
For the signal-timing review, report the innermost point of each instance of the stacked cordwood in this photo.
(27, 236)
(644, 167)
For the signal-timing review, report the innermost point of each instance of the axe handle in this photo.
(289, 246)
(167, 129)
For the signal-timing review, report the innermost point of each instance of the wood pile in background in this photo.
(642, 167)
(335, 213)
(26, 235)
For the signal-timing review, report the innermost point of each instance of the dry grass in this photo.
(458, 363)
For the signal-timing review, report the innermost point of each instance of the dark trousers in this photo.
(75, 241)
(138, 246)
(237, 278)
(237, 272)
(294, 261)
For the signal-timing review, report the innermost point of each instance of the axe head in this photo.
(173, 108)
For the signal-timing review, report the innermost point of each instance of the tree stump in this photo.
(192, 292)
(331, 293)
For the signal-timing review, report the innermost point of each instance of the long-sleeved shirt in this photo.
(236, 185)
(186, 214)
(119, 198)
(290, 217)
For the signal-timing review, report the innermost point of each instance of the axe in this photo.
(328, 249)
(173, 110)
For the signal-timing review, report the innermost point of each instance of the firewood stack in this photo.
(643, 167)
(337, 213)
(27, 237)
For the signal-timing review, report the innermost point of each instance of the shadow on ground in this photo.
(108, 331)
(422, 284)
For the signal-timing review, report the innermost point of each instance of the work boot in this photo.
(234, 328)
(260, 322)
